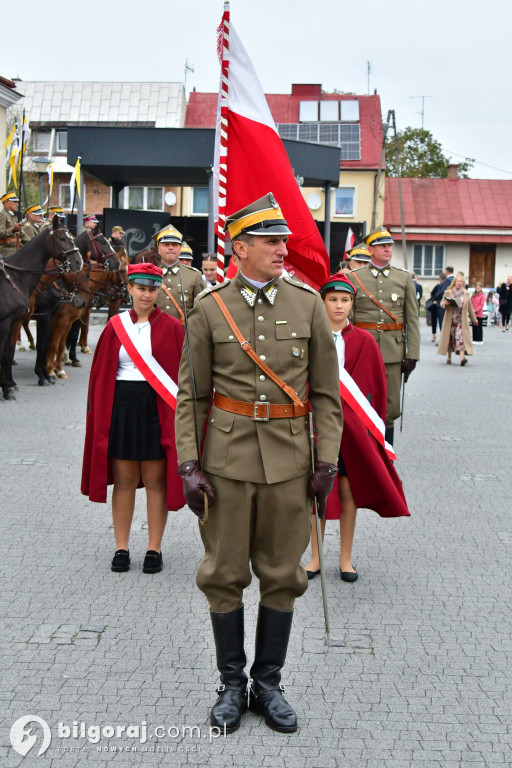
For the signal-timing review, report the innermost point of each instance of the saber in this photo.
(402, 407)
(319, 532)
(194, 391)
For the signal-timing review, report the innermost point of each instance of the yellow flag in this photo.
(10, 138)
(77, 175)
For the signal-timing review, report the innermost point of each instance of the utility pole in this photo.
(422, 113)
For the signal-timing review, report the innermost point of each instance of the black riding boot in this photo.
(228, 632)
(266, 692)
(389, 435)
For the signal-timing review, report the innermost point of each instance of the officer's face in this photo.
(169, 252)
(263, 260)
(36, 218)
(381, 254)
(337, 305)
(11, 205)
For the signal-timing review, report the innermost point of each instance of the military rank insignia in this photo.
(394, 297)
(298, 352)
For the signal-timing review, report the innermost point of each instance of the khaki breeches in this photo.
(394, 382)
(266, 525)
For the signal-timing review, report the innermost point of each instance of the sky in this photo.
(455, 53)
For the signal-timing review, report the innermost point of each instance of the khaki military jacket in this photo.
(394, 288)
(30, 230)
(193, 284)
(287, 326)
(7, 240)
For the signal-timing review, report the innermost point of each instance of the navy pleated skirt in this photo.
(135, 426)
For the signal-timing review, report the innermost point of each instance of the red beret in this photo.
(337, 282)
(145, 274)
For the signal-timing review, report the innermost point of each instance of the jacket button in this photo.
(262, 357)
(261, 337)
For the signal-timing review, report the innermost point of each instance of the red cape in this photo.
(372, 476)
(166, 341)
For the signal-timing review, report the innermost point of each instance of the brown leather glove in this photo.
(320, 484)
(195, 485)
(16, 227)
(408, 367)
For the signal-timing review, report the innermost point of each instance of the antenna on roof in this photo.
(422, 113)
(369, 68)
(188, 68)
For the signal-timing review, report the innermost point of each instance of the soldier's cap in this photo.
(57, 210)
(36, 210)
(91, 217)
(337, 282)
(145, 274)
(263, 217)
(360, 252)
(186, 251)
(168, 234)
(9, 197)
(119, 229)
(378, 237)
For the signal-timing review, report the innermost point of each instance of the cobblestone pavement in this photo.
(419, 678)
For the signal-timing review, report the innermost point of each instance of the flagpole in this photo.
(223, 148)
(22, 178)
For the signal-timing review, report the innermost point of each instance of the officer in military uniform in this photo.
(9, 224)
(385, 304)
(186, 254)
(169, 297)
(90, 223)
(359, 256)
(33, 223)
(55, 212)
(256, 459)
(116, 239)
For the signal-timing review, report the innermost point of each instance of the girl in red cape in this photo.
(367, 477)
(129, 439)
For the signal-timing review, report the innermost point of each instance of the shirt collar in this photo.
(383, 270)
(252, 294)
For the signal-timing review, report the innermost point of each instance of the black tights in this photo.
(505, 317)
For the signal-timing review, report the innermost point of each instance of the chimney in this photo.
(307, 91)
(453, 171)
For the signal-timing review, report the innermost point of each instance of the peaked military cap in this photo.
(168, 234)
(337, 282)
(119, 229)
(263, 217)
(57, 210)
(186, 251)
(9, 197)
(378, 237)
(145, 274)
(360, 252)
(36, 210)
(91, 217)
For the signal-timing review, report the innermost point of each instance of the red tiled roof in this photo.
(478, 203)
(202, 111)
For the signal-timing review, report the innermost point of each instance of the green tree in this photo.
(421, 156)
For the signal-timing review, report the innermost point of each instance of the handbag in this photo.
(429, 304)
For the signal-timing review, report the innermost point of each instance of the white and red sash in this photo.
(353, 396)
(149, 367)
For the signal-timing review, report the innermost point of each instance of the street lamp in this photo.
(41, 164)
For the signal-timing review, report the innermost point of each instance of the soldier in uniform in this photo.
(33, 223)
(359, 256)
(175, 272)
(256, 460)
(90, 223)
(55, 211)
(186, 254)
(385, 304)
(9, 224)
(116, 239)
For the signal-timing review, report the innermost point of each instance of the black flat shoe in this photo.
(121, 561)
(312, 574)
(348, 576)
(152, 562)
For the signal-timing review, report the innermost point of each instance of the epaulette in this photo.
(298, 283)
(188, 266)
(402, 269)
(210, 288)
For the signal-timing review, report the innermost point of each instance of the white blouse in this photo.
(126, 368)
(339, 343)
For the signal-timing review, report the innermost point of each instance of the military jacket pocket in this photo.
(228, 354)
(301, 446)
(292, 341)
(218, 437)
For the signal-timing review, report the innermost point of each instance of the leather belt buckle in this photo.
(261, 404)
(379, 322)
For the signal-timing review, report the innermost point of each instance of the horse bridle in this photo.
(63, 264)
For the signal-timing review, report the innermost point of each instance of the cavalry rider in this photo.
(256, 463)
(90, 223)
(116, 239)
(33, 223)
(385, 304)
(9, 224)
(175, 272)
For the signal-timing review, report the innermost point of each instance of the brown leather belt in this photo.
(260, 410)
(381, 326)
(8, 241)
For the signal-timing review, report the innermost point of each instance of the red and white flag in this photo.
(257, 163)
(350, 242)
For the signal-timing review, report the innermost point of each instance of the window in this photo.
(142, 198)
(344, 201)
(308, 111)
(61, 142)
(200, 201)
(428, 260)
(41, 143)
(65, 200)
(329, 111)
(349, 111)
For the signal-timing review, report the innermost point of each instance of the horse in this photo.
(19, 275)
(149, 255)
